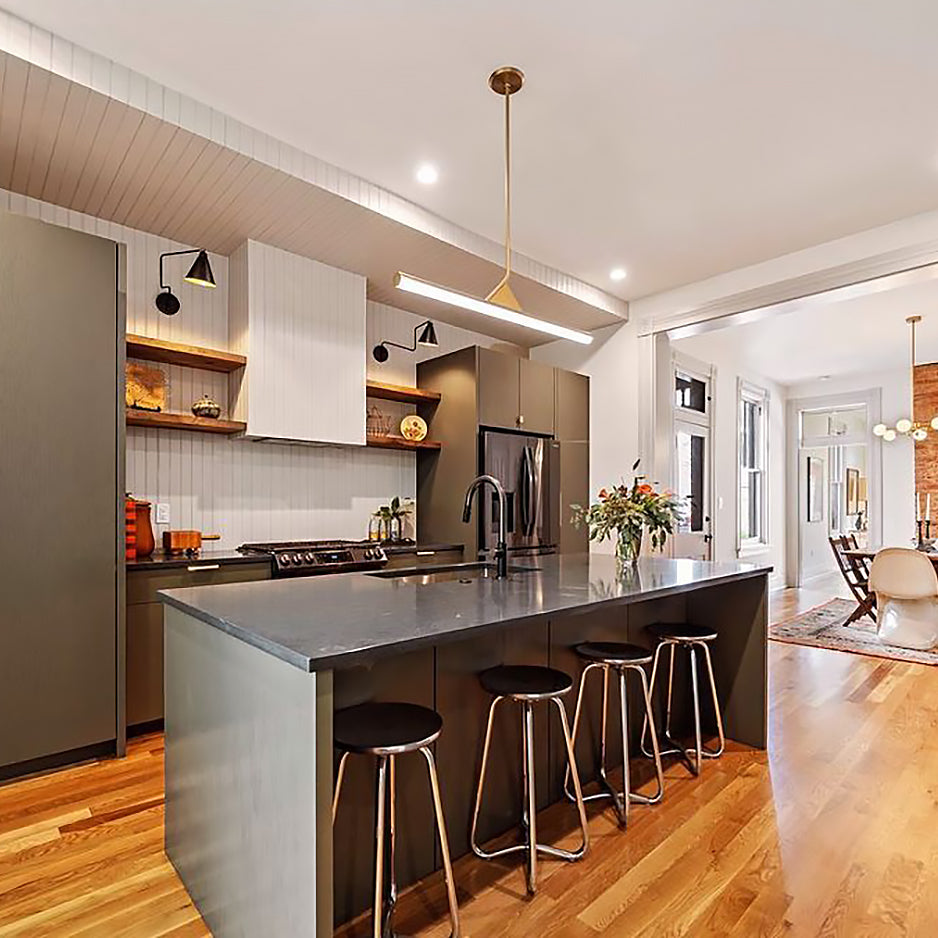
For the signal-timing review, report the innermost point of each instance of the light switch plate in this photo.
(162, 512)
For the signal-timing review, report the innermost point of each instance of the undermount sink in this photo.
(453, 573)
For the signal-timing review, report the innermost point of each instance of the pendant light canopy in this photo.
(908, 426)
(501, 302)
(200, 273)
(426, 337)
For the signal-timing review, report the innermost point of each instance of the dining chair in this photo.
(906, 588)
(856, 575)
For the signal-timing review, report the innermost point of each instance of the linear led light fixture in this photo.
(501, 303)
(433, 291)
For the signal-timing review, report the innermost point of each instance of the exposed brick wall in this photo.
(925, 391)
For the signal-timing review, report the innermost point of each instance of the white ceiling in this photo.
(677, 139)
(862, 335)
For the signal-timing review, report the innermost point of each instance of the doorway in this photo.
(692, 458)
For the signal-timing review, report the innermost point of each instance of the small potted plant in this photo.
(392, 517)
(626, 512)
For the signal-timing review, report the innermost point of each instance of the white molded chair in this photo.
(906, 588)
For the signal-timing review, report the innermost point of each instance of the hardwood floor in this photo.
(830, 833)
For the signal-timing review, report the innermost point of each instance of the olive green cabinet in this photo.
(481, 387)
(515, 393)
(144, 671)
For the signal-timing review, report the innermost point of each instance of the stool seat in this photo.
(525, 681)
(385, 728)
(681, 632)
(614, 652)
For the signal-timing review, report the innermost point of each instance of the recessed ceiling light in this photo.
(618, 273)
(427, 174)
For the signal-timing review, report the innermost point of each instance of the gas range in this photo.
(309, 558)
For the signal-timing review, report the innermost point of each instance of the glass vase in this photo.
(628, 548)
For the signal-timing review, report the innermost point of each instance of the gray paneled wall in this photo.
(242, 490)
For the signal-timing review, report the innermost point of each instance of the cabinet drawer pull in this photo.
(199, 567)
(426, 553)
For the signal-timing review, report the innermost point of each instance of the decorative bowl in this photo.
(206, 407)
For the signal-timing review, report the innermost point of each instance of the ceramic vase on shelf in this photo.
(145, 541)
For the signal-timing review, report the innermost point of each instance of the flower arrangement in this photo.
(392, 517)
(627, 511)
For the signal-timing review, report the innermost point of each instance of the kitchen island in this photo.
(255, 671)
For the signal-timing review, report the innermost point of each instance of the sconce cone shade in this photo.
(200, 273)
(428, 336)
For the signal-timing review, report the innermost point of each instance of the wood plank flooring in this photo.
(833, 832)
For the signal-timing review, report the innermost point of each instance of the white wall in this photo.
(243, 490)
(612, 365)
(718, 349)
(897, 458)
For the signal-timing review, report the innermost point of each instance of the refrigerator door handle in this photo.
(530, 491)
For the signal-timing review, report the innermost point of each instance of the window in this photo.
(690, 392)
(753, 435)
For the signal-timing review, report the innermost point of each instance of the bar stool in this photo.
(387, 730)
(620, 657)
(690, 637)
(526, 685)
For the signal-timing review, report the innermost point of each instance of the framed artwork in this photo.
(853, 491)
(815, 487)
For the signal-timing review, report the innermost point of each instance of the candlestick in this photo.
(918, 506)
(928, 507)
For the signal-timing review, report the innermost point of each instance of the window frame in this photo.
(748, 393)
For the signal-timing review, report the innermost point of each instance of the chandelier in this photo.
(908, 426)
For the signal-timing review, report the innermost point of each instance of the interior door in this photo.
(692, 459)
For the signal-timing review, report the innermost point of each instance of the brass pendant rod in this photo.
(507, 272)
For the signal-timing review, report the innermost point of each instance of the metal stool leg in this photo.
(444, 844)
(581, 807)
(340, 775)
(476, 849)
(696, 693)
(577, 714)
(650, 721)
(649, 715)
(623, 803)
(530, 795)
(667, 719)
(390, 890)
(714, 753)
(377, 912)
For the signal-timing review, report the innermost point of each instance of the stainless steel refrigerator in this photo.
(529, 469)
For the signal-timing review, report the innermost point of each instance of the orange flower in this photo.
(603, 493)
(645, 490)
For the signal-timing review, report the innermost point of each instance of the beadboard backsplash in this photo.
(243, 490)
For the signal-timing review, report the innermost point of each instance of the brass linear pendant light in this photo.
(501, 302)
(908, 426)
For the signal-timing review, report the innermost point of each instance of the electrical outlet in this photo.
(162, 512)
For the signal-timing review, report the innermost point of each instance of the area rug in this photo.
(824, 627)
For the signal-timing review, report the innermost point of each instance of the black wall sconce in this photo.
(427, 337)
(200, 273)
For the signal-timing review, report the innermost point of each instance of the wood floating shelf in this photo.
(164, 421)
(398, 442)
(173, 353)
(397, 392)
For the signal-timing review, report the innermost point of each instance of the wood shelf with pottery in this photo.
(166, 421)
(191, 356)
(401, 394)
(398, 442)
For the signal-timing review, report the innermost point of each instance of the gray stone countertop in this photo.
(325, 622)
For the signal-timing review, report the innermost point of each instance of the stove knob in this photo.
(368, 554)
(284, 560)
(297, 559)
(309, 556)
